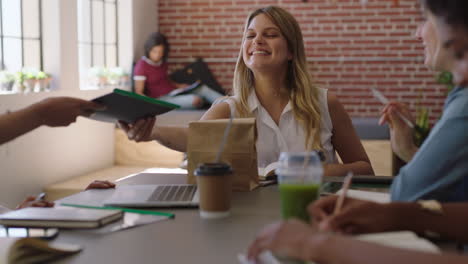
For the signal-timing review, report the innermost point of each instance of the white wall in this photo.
(145, 21)
(48, 155)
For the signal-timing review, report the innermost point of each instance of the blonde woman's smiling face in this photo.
(264, 48)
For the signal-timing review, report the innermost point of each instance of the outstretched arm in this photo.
(58, 111)
(172, 137)
(358, 216)
(295, 239)
(346, 250)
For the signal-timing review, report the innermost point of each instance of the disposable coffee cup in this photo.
(215, 188)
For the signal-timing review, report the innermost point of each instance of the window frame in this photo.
(22, 38)
(91, 44)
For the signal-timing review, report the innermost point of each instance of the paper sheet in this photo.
(377, 197)
(400, 239)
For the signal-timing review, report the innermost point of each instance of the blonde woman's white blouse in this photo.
(289, 135)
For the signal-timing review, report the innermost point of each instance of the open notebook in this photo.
(378, 197)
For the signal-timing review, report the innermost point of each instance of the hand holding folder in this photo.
(129, 107)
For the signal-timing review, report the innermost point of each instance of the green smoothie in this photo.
(296, 197)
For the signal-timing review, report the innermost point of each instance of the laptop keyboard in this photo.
(173, 193)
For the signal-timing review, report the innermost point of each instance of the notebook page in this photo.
(401, 239)
(377, 197)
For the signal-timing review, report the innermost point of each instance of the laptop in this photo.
(164, 195)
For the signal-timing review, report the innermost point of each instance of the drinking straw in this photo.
(223, 141)
(304, 166)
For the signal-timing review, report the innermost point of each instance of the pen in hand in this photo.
(40, 197)
(340, 200)
(385, 101)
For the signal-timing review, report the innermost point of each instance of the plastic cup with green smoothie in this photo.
(299, 176)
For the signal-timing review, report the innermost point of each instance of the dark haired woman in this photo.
(151, 78)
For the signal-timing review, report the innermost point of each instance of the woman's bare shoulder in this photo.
(219, 110)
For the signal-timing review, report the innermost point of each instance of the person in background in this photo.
(272, 83)
(301, 241)
(151, 77)
(53, 112)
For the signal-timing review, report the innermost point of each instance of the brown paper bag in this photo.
(203, 144)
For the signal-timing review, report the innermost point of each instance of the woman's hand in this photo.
(141, 130)
(292, 238)
(62, 111)
(401, 135)
(356, 216)
(100, 185)
(31, 202)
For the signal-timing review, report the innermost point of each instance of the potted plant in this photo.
(97, 77)
(43, 81)
(117, 76)
(19, 82)
(7, 80)
(29, 81)
(112, 76)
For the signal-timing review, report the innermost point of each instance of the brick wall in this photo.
(350, 47)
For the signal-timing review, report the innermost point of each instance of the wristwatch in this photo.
(432, 206)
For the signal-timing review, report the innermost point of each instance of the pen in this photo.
(128, 210)
(346, 184)
(385, 101)
(40, 197)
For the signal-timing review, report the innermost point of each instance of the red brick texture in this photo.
(350, 47)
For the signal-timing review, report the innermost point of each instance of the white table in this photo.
(185, 239)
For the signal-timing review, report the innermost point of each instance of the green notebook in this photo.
(129, 107)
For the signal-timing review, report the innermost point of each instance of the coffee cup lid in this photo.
(212, 169)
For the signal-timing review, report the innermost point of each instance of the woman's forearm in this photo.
(140, 87)
(346, 250)
(20, 122)
(408, 154)
(172, 137)
(358, 168)
(450, 224)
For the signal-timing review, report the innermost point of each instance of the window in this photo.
(20, 33)
(98, 33)
(21, 47)
(98, 42)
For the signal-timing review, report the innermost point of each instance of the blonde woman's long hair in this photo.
(303, 94)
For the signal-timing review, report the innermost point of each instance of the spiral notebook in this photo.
(61, 217)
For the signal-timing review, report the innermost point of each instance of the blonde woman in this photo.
(271, 83)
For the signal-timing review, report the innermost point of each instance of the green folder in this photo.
(129, 107)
